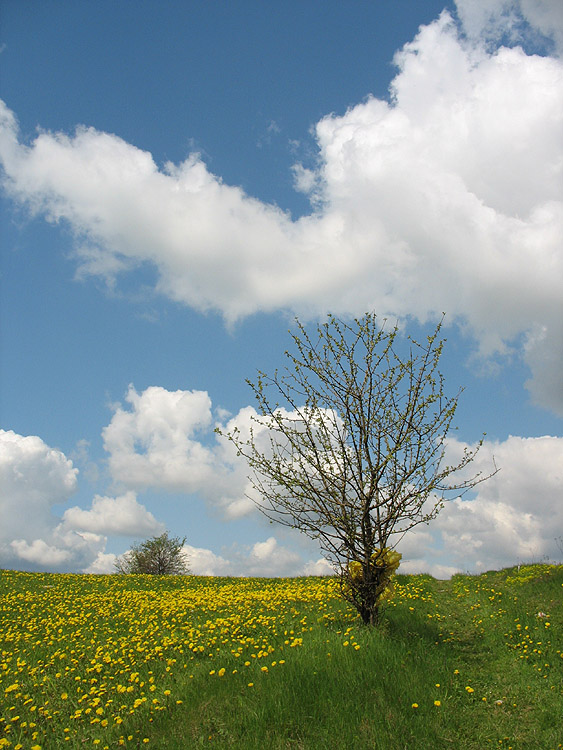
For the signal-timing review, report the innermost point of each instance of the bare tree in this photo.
(160, 555)
(355, 452)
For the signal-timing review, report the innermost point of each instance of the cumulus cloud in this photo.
(40, 553)
(320, 567)
(103, 564)
(204, 562)
(515, 19)
(34, 478)
(447, 196)
(154, 443)
(268, 558)
(167, 441)
(263, 559)
(516, 516)
(121, 515)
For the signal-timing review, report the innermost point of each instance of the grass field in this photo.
(186, 662)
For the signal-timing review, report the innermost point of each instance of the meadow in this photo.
(187, 662)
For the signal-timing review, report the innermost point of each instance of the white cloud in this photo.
(516, 19)
(448, 197)
(416, 567)
(263, 559)
(204, 562)
(320, 567)
(167, 442)
(103, 564)
(40, 553)
(121, 515)
(271, 559)
(80, 456)
(513, 516)
(34, 477)
(516, 516)
(155, 443)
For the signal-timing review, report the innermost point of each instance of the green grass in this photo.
(179, 663)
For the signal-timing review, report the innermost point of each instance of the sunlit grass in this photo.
(181, 662)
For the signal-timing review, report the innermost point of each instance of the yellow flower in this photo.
(414, 705)
(437, 703)
(469, 689)
(221, 672)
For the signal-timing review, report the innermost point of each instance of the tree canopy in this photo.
(356, 448)
(160, 555)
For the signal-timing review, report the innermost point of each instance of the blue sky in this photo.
(179, 180)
